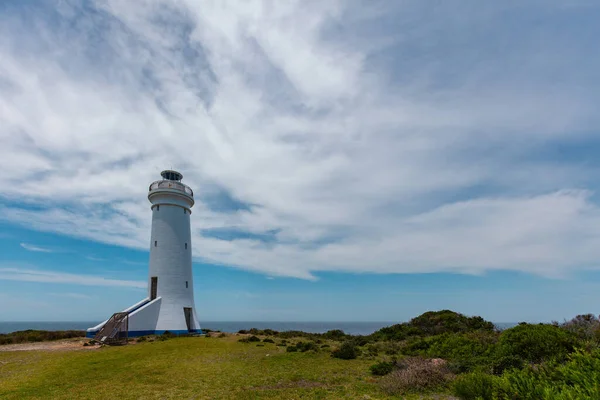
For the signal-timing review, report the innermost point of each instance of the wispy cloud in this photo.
(39, 249)
(352, 137)
(93, 258)
(32, 275)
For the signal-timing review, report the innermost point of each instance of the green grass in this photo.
(185, 368)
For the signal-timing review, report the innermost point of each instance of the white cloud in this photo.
(366, 140)
(39, 249)
(32, 275)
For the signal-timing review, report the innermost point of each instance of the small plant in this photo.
(268, 340)
(291, 349)
(325, 346)
(416, 375)
(142, 339)
(222, 335)
(307, 346)
(347, 351)
(382, 368)
(253, 339)
(86, 344)
(260, 345)
(474, 386)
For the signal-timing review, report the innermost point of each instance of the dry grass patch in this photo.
(417, 375)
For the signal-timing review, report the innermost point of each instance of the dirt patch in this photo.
(58, 345)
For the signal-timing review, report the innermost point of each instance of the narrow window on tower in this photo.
(155, 243)
(157, 208)
(186, 246)
(186, 284)
(184, 211)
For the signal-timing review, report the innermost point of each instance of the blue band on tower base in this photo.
(91, 335)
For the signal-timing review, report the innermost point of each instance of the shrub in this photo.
(325, 346)
(291, 349)
(474, 386)
(536, 343)
(578, 378)
(585, 326)
(382, 368)
(307, 346)
(336, 334)
(465, 351)
(506, 362)
(268, 340)
(416, 375)
(32, 335)
(86, 344)
(434, 323)
(142, 339)
(253, 339)
(222, 335)
(347, 351)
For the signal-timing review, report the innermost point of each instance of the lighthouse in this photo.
(169, 305)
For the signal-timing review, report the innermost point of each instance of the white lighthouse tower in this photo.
(170, 302)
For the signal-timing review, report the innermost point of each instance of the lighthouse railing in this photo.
(167, 184)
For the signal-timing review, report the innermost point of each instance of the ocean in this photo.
(352, 328)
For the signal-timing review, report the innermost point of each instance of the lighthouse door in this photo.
(153, 287)
(188, 317)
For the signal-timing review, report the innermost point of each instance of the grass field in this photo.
(186, 368)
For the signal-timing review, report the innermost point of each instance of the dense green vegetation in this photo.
(474, 360)
(31, 335)
(435, 354)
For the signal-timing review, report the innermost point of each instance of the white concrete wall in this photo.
(101, 324)
(171, 261)
(146, 317)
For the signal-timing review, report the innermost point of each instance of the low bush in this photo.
(32, 335)
(249, 339)
(222, 335)
(268, 340)
(578, 378)
(347, 351)
(474, 386)
(416, 375)
(142, 339)
(303, 347)
(536, 343)
(585, 327)
(464, 351)
(336, 334)
(434, 323)
(382, 368)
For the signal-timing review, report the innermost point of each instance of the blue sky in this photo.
(351, 160)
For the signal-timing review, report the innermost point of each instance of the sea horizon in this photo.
(349, 327)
